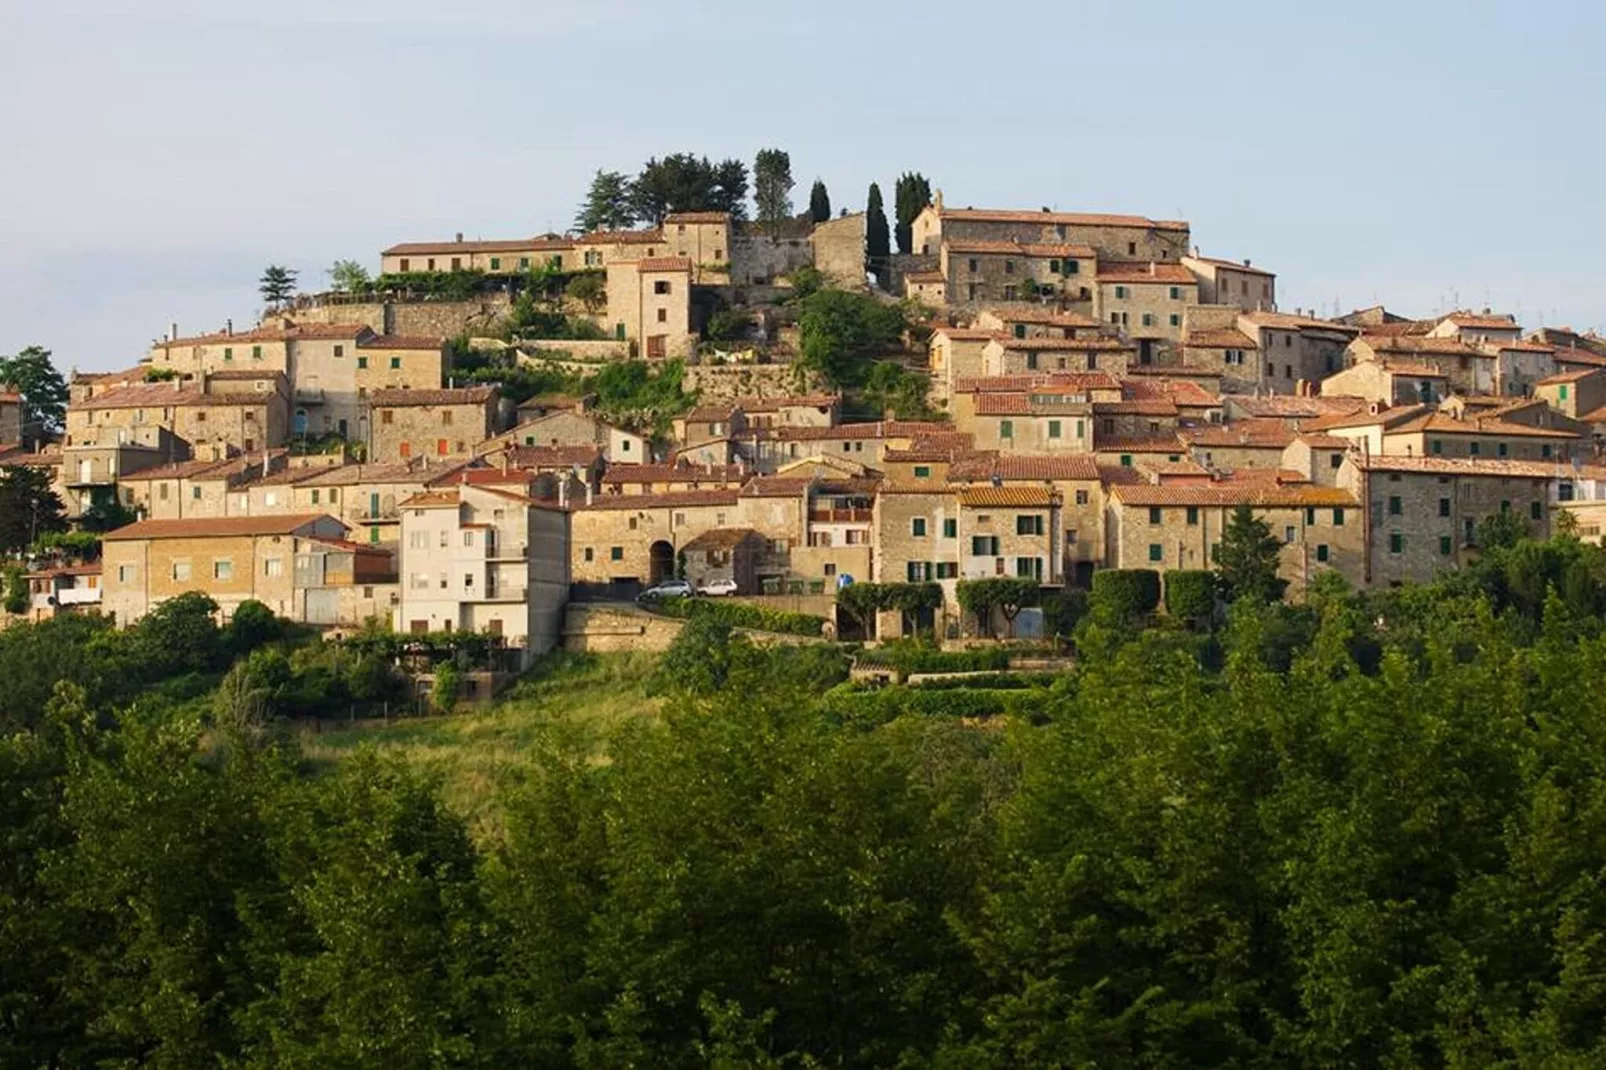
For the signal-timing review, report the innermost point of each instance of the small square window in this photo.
(1154, 514)
(950, 528)
(1156, 552)
(362, 362)
(1321, 551)
(922, 471)
(395, 362)
(340, 350)
(1396, 543)
(616, 553)
(917, 527)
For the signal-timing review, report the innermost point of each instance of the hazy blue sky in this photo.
(157, 154)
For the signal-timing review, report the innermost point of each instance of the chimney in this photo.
(1246, 262)
(590, 494)
(459, 235)
(228, 326)
(173, 335)
(1152, 268)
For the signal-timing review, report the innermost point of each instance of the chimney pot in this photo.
(459, 235)
(228, 326)
(1246, 262)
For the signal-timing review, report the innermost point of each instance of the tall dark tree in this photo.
(772, 186)
(607, 205)
(819, 203)
(877, 241)
(682, 182)
(1246, 559)
(277, 285)
(728, 192)
(912, 193)
(28, 508)
(43, 390)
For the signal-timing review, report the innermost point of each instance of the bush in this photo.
(1063, 610)
(909, 656)
(742, 615)
(1126, 593)
(448, 681)
(873, 707)
(1190, 594)
(991, 681)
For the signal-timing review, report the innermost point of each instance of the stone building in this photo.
(649, 303)
(1146, 301)
(1012, 530)
(206, 411)
(1466, 368)
(503, 257)
(1161, 526)
(485, 559)
(930, 288)
(955, 354)
(230, 559)
(1025, 356)
(724, 554)
(1073, 479)
(1475, 328)
(838, 248)
(1231, 282)
(572, 428)
(1389, 382)
(1421, 431)
(917, 535)
(1421, 513)
(703, 238)
(1579, 394)
(435, 423)
(1295, 349)
(634, 539)
(981, 271)
(1114, 237)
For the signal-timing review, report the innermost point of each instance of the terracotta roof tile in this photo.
(402, 398)
(621, 237)
(966, 334)
(510, 245)
(626, 474)
(296, 332)
(1035, 250)
(1271, 434)
(1046, 317)
(216, 527)
(1571, 376)
(1154, 272)
(1003, 405)
(1234, 265)
(1475, 322)
(1077, 219)
(664, 264)
(165, 395)
(1282, 321)
(1007, 497)
(1063, 345)
(1013, 467)
(1465, 466)
(670, 500)
(1139, 444)
(1138, 407)
(1232, 493)
(401, 341)
(697, 217)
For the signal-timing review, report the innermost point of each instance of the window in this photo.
(1031, 524)
(1335, 461)
(1081, 497)
(125, 573)
(181, 570)
(256, 352)
(913, 571)
(1154, 514)
(1310, 516)
(1288, 534)
(950, 528)
(984, 545)
(496, 264)
(340, 350)
(947, 570)
(1536, 510)
(1176, 293)
(1444, 546)
(228, 352)
(395, 362)
(1120, 292)
(223, 570)
(1338, 518)
(1176, 320)
(1321, 551)
(917, 527)
(1131, 248)
(663, 315)
(1156, 552)
(468, 538)
(1562, 392)
(1148, 320)
(1500, 449)
(616, 553)
(1006, 429)
(1072, 267)
(1009, 267)
(1437, 446)
(1544, 451)
(974, 265)
(589, 554)
(1053, 429)
(1396, 543)
(1029, 568)
(1444, 506)
(1126, 460)
(1396, 507)
(406, 264)
(1472, 449)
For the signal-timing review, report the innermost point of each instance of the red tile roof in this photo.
(1282, 321)
(401, 341)
(1231, 493)
(166, 395)
(296, 332)
(1062, 345)
(1007, 497)
(1039, 250)
(1418, 345)
(1155, 272)
(1077, 219)
(623, 474)
(1567, 377)
(510, 245)
(1476, 322)
(966, 334)
(664, 264)
(216, 527)
(402, 398)
(1013, 467)
(1138, 407)
(1003, 405)
(669, 500)
(1271, 434)
(1234, 265)
(1465, 466)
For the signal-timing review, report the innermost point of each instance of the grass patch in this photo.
(482, 753)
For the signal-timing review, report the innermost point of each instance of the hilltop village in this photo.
(1012, 393)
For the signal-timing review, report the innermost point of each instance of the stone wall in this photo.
(726, 382)
(758, 258)
(839, 250)
(605, 629)
(580, 352)
(427, 319)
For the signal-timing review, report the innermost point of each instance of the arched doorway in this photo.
(299, 424)
(661, 562)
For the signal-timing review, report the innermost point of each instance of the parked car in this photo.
(718, 588)
(667, 589)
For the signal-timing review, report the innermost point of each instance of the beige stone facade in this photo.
(1114, 237)
(230, 559)
(1146, 302)
(207, 411)
(497, 257)
(406, 424)
(838, 247)
(570, 428)
(484, 559)
(649, 303)
(1232, 282)
(975, 272)
(705, 239)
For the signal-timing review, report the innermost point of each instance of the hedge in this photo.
(742, 615)
(890, 703)
(992, 681)
(910, 657)
(1190, 594)
(1126, 592)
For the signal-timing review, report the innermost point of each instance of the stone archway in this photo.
(660, 562)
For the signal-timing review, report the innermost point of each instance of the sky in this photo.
(156, 155)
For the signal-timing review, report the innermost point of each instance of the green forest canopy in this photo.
(1363, 831)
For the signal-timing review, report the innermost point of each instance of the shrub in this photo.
(443, 696)
(742, 615)
(909, 656)
(1190, 594)
(1063, 610)
(1126, 593)
(886, 704)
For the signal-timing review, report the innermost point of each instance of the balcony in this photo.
(387, 511)
(309, 395)
(502, 594)
(841, 516)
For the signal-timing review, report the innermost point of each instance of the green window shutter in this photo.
(1544, 451)
(922, 471)
(1193, 514)
(1176, 320)
(1156, 552)
(1500, 449)
(1310, 516)
(228, 352)
(950, 528)
(1564, 392)
(1444, 546)
(1053, 429)
(395, 362)
(1338, 518)
(1176, 293)
(362, 362)
(1396, 543)
(1006, 428)
(917, 527)
(1396, 507)
(1536, 510)
(373, 534)
(1321, 551)
(1473, 449)
(1126, 460)
(496, 263)
(1438, 446)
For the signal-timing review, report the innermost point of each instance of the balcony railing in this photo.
(312, 395)
(505, 594)
(841, 516)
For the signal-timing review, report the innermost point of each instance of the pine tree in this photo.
(819, 203)
(910, 195)
(277, 285)
(772, 186)
(607, 204)
(878, 244)
(1246, 559)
